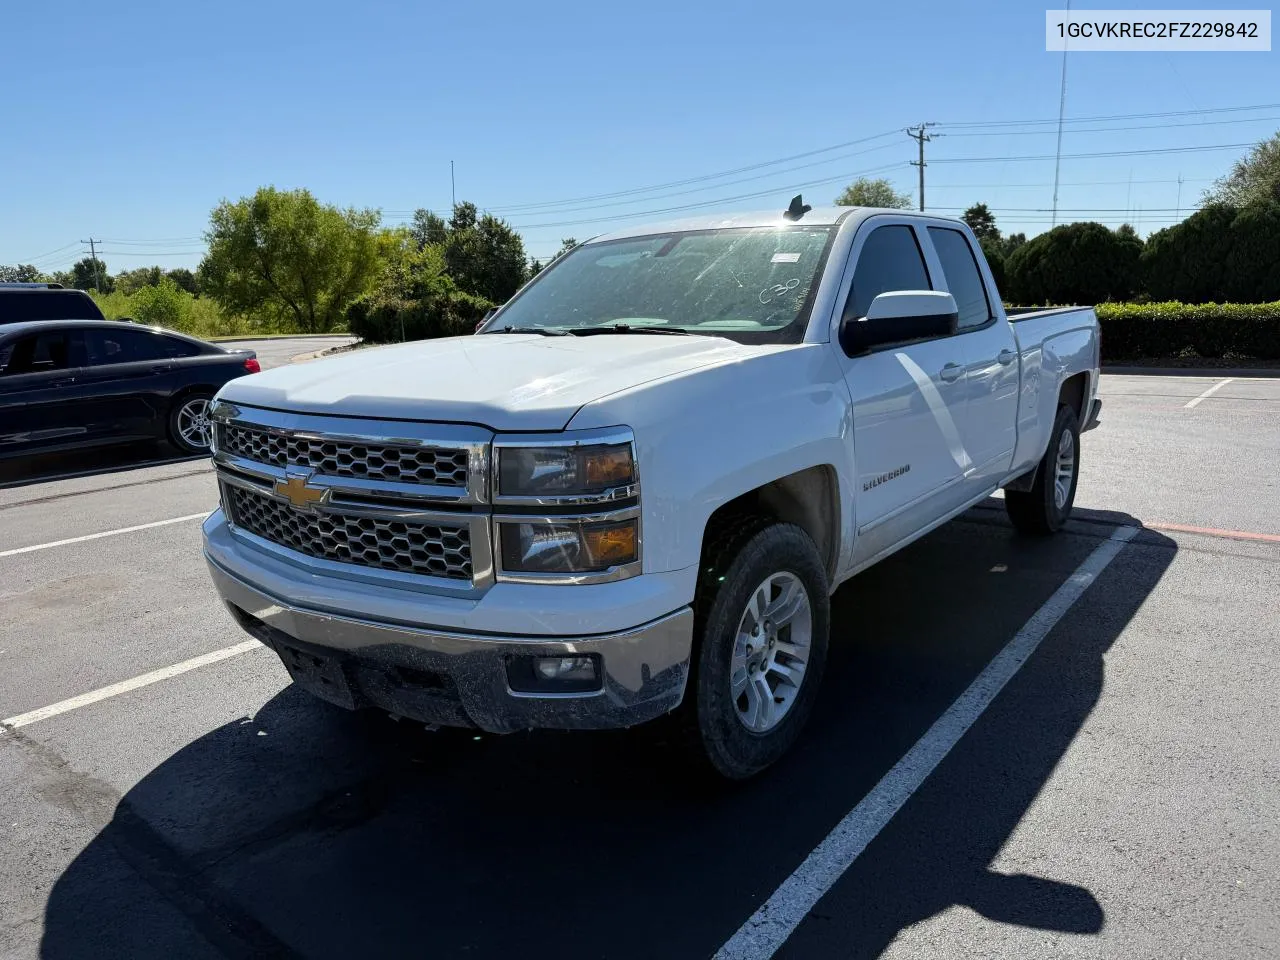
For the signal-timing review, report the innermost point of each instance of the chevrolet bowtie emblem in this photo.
(297, 491)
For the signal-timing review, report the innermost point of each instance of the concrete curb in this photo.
(1218, 372)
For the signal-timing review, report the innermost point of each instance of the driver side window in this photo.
(890, 260)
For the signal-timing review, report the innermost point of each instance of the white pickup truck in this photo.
(632, 493)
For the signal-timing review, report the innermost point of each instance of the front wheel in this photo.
(1044, 508)
(190, 429)
(762, 624)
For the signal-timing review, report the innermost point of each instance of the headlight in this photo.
(564, 471)
(567, 546)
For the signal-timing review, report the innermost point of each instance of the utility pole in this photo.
(1062, 107)
(97, 264)
(921, 138)
(453, 186)
(1177, 214)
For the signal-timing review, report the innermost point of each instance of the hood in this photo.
(508, 382)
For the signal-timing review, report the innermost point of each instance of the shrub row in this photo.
(1236, 331)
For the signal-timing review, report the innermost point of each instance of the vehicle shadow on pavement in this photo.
(45, 467)
(308, 831)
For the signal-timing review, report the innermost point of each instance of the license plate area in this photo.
(320, 675)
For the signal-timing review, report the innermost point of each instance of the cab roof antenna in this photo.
(797, 209)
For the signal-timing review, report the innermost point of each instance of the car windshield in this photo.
(749, 284)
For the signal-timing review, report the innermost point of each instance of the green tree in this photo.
(1074, 263)
(535, 267)
(994, 253)
(91, 274)
(131, 281)
(415, 296)
(1254, 178)
(185, 279)
(982, 222)
(1011, 243)
(22, 273)
(873, 193)
(428, 228)
(483, 254)
(284, 257)
(162, 304)
(1218, 254)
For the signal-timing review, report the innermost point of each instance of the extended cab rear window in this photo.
(17, 306)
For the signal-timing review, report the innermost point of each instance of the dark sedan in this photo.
(79, 383)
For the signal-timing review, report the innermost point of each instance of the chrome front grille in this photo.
(428, 549)
(440, 466)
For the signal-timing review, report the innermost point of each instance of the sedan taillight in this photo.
(252, 366)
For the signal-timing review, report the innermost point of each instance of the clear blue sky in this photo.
(129, 121)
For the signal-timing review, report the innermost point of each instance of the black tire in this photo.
(738, 557)
(176, 410)
(1036, 512)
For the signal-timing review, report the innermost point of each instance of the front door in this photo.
(908, 454)
(39, 405)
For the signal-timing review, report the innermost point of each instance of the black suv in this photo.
(20, 302)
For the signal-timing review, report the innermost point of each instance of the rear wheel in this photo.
(190, 429)
(761, 631)
(1044, 508)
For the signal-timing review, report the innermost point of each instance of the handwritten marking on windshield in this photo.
(778, 290)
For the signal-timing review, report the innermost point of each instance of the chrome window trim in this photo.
(573, 438)
(619, 572)
(388, 433)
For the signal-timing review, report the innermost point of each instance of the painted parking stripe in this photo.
(1209, 393)
(125, 686)
(776, 919)
(104, 533)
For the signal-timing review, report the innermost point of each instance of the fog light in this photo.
(565, 668)
(554, 674)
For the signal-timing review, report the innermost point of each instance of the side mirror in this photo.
(900, 316)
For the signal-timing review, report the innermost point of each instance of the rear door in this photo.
(908, 454)
(40, 406)
(988, 417)
(130, 377)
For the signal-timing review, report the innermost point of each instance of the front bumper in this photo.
(460, 679)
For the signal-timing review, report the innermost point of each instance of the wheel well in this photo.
(1072, 394)
(809, 499)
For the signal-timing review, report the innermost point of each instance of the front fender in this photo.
(710, 435)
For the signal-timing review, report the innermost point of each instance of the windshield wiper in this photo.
(541, 331)
(627, 328)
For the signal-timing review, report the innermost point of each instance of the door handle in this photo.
(951, 372)
(1006, 357)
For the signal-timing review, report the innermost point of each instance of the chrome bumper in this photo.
(459, 679)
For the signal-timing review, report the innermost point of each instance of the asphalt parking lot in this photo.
(1118, 796)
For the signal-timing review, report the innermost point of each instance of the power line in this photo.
(1115, 116)
(698, 179)
(1143, 126)
(708, 203)
(1107, 153)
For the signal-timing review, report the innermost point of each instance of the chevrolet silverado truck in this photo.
(632, 492)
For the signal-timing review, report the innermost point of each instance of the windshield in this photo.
(752, 284)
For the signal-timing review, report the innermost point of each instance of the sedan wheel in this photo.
(190, 426)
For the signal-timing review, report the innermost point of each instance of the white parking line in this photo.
(1208, 393)
(105, 533)
(776, 919)
(124, 686)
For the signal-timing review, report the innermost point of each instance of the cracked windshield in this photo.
(747, 283)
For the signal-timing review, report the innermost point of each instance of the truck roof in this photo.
(818, 216)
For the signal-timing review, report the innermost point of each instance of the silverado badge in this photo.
(295, 488)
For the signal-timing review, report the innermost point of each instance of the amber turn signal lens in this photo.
(608, 466)
(611, 545)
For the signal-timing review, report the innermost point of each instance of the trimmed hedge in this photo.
(1237, 331)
